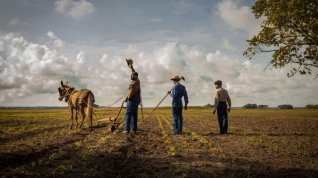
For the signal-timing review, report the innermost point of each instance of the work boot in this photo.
(133, 131)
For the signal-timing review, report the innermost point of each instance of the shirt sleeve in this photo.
(216, 99)
(173, 92)
(186, 101)
(228, 99)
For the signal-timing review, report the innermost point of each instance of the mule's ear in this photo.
(67, 84)
(62, 83)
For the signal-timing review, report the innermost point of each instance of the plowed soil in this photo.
(260, 143)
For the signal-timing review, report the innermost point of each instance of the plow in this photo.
(112, 121)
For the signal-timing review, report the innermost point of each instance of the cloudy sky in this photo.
(86, 42)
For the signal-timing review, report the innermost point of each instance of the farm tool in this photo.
(160, 102)
(113, 125)
(165, 97)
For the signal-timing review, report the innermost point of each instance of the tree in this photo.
(312, 106)
(209, 106)
(286, 106)
(261, 106)
(290, 32)
(250, 106)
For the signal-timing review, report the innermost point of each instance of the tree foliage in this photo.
(262, 106)
(290, 32)
(286, 106)
(312, 106)
(250, 106)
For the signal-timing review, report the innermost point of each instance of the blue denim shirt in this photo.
(177, 92)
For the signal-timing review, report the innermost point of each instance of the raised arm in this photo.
(130, 65)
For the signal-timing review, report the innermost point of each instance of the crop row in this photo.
(183, 139)
(200, 138)
(170, 148)
(104, 139)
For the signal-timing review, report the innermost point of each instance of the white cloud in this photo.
(28, 68)
(29, 71)
(239, 17)
(227, 45)
(14, 22)
(54, 40)
(74, 9)
(156, 20)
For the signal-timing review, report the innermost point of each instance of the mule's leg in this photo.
(71, 111)
(90, 103)
(83, 116)
(76, 112)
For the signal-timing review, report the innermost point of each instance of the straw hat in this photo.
(176, 77)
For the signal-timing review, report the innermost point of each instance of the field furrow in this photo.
(260, 143)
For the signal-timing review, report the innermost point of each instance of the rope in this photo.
(120, 98)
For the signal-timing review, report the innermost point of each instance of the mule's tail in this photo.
(90, 103)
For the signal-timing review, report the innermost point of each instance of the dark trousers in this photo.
(131, 116)
(177, 119)
(222, 117)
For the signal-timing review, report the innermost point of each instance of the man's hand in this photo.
(168, 92)
(213, 111)
(228, 109)
(185, 107)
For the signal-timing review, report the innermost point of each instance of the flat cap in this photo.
(218, 82)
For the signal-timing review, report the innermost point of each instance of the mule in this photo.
(82, 100)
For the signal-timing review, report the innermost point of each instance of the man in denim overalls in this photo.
(133, 100)
(177, 92)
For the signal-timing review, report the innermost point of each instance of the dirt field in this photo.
(260, 143)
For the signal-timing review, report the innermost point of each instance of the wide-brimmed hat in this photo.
(218, 82)
(176, 77)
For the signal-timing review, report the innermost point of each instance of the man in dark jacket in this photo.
(222, 104)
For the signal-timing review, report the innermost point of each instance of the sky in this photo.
(86, 42)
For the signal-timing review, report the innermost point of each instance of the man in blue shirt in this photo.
(177, 92)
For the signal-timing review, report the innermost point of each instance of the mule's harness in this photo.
(68, 94)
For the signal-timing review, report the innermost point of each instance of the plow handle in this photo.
(112, 124)
(160, 102)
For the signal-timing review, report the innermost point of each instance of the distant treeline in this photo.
(286, 106)
(247, 106)
(283, 106)
(312, 106)
(261, 106)
(33, 107)
(38, 107)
